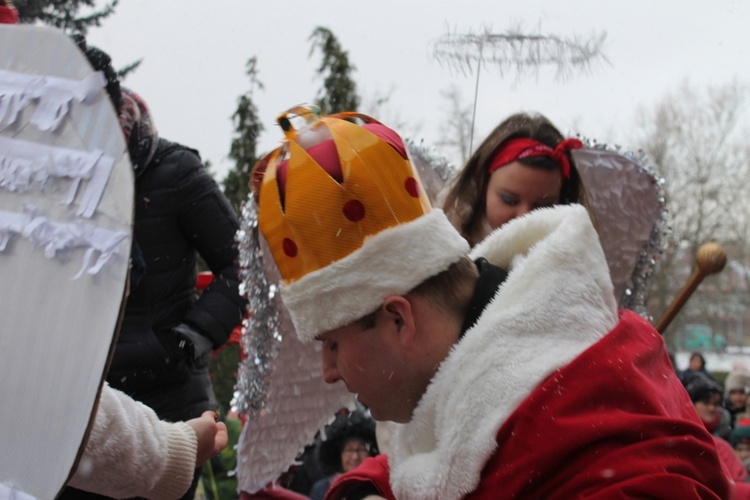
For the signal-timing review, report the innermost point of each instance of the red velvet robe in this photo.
(613, 423)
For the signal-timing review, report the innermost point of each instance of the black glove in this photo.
(192, 344)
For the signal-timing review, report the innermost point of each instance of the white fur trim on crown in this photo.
(393, 261)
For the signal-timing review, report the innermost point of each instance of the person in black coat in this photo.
(167, 333)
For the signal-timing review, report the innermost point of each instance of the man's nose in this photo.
(330, 371)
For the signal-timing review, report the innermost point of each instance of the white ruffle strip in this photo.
(53, 96)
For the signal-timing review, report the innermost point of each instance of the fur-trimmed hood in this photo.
(556, 302)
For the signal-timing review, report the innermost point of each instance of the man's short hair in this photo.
(450, 290)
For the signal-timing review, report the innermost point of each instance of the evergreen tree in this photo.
(223, 369)
(64, 14)
(339, 92)
(247, 129)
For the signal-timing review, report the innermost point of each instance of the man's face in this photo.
(370, 362)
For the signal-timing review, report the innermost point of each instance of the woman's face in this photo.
(353, 453)
(516, 189)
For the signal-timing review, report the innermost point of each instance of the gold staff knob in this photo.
(709, 259)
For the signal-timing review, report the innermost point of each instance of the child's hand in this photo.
(212, 436)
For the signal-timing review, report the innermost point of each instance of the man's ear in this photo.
(399, 311)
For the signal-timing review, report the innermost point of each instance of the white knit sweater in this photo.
(130, 452)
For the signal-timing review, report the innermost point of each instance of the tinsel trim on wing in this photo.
(624, 190)
(280, 387)
(262, 346)
(434, 171)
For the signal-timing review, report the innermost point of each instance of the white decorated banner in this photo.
(66, 208)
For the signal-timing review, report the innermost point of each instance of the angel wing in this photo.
(627, 198)
(280, 386)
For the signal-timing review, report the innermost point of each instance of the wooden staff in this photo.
(710, 259)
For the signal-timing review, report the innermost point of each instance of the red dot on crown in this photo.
(411, 187)
(354, 210)
(290, 247)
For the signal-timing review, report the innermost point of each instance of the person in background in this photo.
(740, 441)
(735, 394)
(697, 364)
(167, 333)
(162, 353)
(522, 165)
(504, 365)
(350, 439)
(706, 396)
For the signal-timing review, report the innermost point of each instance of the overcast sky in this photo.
(194, 56)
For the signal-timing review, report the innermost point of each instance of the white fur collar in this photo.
(556, 302)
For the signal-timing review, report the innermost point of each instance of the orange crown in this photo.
(379, 189)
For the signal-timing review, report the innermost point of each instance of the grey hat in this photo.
(736, 381)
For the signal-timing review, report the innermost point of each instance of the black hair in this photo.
(101, 61)
(700, 388)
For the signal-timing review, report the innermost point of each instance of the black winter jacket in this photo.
(180, 213)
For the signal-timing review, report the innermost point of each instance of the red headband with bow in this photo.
(518, 149)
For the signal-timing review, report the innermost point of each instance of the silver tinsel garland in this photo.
(260, 337)
(423, 156)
